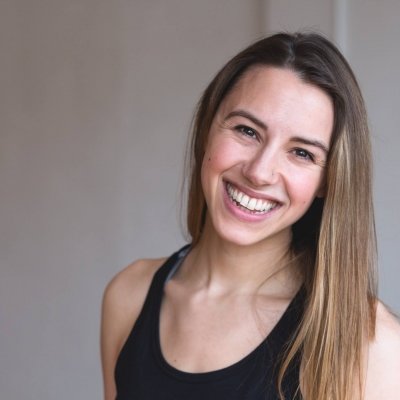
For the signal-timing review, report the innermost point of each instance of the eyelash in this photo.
(246, 131)
(306, 154)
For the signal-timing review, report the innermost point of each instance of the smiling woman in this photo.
(265, 145)
(274, 298)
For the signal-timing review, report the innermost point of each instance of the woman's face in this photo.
(265, 156)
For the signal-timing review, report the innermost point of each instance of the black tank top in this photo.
(142, 373)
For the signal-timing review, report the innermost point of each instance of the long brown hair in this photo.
(335, 240)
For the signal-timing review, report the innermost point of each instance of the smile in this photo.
(249, 203)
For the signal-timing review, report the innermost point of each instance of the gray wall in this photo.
(373, 50)
(96, 101)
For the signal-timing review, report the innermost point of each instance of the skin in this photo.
(268, 138)
(257, 144)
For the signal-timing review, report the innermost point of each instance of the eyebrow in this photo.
(310, 142)
(256, 121)
(245, 114)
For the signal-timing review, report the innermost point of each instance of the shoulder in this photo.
(127, 283)
(123, 300)
(383, 369)
(125, 294)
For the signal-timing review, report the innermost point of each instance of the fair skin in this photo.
(268, 141)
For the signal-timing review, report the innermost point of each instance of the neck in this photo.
(222, 266)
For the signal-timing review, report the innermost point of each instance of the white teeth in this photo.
(245, 200)
(250, 203)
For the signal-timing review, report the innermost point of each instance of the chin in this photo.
(249, 235)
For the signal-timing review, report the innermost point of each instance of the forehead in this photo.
(268, 83)
(282, 100)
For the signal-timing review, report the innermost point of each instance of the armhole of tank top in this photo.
(154, 291)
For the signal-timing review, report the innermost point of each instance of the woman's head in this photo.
(317, 62)
(264, 162)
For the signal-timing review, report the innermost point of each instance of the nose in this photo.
(263, 167)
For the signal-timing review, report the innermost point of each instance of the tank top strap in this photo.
(161, 276)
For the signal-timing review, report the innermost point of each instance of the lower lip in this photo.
(242, 214)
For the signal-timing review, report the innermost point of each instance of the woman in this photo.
(275, 297)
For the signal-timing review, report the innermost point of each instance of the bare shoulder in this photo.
(125, 294)
(128, 288)
(383, 371)
(123, 300)
(133, 281)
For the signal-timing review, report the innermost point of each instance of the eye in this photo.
(304, 154)
(247, 131)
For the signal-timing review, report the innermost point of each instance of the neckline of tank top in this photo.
(278, 335)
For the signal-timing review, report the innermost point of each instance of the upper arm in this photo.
(122, 301)
(383, 369)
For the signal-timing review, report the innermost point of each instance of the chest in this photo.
(222, 338)
(204, 335)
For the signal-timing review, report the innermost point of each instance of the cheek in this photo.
(210, 169)
(217, 158)
(305, 187)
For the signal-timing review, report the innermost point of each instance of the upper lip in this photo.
(252, 193)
